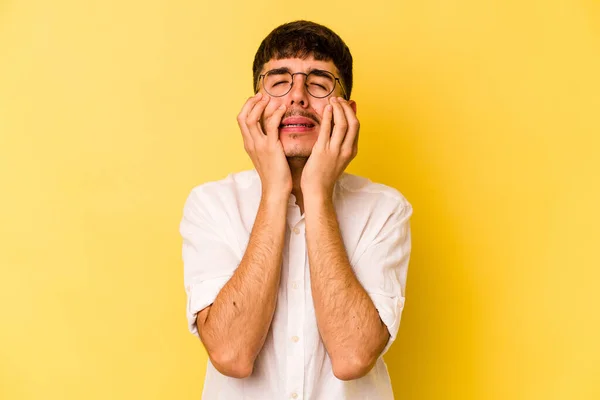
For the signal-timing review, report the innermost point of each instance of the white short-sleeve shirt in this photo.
(293, 363)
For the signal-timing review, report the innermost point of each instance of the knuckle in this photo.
(346, 153)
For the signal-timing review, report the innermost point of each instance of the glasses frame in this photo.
(336, 81)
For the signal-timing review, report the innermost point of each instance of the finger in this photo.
(340, 125)
(243, 115)
(248, 106)
(354, 149)
(325, 130)
(272, 124)
(353, 126)
(254, 116)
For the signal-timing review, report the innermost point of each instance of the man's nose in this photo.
(298, 95)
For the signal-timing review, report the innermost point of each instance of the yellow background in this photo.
(485, 114)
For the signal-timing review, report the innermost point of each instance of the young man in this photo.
(295, 271)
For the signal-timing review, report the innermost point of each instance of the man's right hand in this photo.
(265, 150)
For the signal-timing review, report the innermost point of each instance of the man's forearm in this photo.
(236, 325)
(349, 323)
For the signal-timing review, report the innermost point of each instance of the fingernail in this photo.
(328, 107)
(333, 100)
(258, 95)
(281, 107)
(340, 98)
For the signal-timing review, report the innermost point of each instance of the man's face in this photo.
(300, 124)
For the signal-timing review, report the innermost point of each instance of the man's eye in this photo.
(280, 83)
(318, 86)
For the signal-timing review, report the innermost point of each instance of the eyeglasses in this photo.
(319, 83)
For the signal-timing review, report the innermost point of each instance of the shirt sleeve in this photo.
(382, 269)
(208, 261)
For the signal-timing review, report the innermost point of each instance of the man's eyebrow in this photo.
(320, 72)
(280, 70)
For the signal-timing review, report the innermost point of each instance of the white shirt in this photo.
(293, 363)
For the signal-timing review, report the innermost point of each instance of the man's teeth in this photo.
(292, 125)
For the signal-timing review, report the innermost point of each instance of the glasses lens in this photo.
(320, 83)
(277, 83)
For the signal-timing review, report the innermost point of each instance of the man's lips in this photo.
(297, 124)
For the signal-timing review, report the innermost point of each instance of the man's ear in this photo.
(353, 105)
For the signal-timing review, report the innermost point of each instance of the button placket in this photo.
(295, 297)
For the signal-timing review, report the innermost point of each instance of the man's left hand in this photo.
(333, 150)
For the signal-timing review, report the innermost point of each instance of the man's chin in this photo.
(297, 154)
(296, 151)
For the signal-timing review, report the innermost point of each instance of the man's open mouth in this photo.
(296, 125)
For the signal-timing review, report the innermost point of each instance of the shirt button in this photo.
(295, 285)
(296, 231)
(295, 339)
(294, 395)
